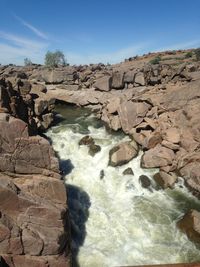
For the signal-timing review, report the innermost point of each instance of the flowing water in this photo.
(114, 220)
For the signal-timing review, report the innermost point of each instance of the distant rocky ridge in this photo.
(157, 105)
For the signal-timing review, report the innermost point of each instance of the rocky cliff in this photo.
(34, 223)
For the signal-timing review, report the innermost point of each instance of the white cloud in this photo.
(183, 45)
(112, 57)
(14, 48)
(38, 32)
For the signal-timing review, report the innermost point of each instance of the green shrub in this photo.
(155, 60)
(197, 53)
(54, 59)
(188, 55)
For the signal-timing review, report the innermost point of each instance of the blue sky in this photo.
(91, 31)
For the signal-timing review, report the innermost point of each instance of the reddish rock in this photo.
(190, 225)
(172, 135)
(132, 114)
(165, 179)
(122, 153)
(103, 83)
(158, 156)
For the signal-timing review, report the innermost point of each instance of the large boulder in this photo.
(118, 80)
(158, 156)
(190, 225)
(122, 153)
(139, 79)
(165, 179)
(131, 114)
(103, 83)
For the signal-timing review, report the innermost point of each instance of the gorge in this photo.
(111, 218)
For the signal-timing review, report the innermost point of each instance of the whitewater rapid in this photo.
(116, 222)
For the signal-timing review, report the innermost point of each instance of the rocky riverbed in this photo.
(157, 106)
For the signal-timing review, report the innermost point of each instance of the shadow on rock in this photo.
(3, 263)
(66, 166)
(79, 204)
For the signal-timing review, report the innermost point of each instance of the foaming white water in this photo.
(127, 224)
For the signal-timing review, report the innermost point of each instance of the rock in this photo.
(58, 76)
(139, 79)
(151, 140)
(131, 114)
(170, 145)
(115, 123)
(191, 173)
(144, 181)
(113, 105)
(158, 156)
(190, 225)
(165, 179)
(102, 174)
(128, 171)
(24, 87)
(172, 135)
(47, 120)
(191, 67)
(38, 88)
(94, 149)
(129, 76)
(118, 80)
(103, 84)
(86, 140)
(122, 153)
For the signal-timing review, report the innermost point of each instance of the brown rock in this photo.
(165, 179)
(158, 156)
(86, 140)
(172, 135)
(129, 76)
(122, 153)
(190, 225)
(103, 83)
(118, 80)
(128, 171)
(131, 114)
(139, 79)
(94, 149)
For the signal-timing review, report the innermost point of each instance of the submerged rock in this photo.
(190, 225)
(128, 171)
(94, 149)
(102, 174)
(122, 153)
(86, 140)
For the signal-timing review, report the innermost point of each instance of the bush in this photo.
(197, 53)
(27, 62)
(54, 59)
(155, 60)
(188, 55)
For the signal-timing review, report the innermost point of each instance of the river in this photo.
(114, 220)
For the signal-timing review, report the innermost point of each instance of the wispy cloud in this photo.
(14, 48)
(112, 57)
(181, 45)
(38, 32)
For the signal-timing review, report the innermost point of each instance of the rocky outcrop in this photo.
(34, 222)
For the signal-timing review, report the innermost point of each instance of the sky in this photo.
(93, 31)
